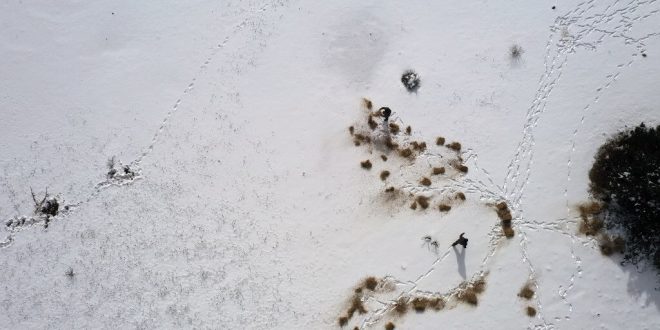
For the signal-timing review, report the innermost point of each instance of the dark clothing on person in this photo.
(385, 112)
(461, 241)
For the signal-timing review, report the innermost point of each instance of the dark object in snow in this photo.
(50, 207)
(553, 7)
(69, 272)
(461, 241)
(385, 112)
(516, 52)
(643, 54)
(625, 176)
(410, 80)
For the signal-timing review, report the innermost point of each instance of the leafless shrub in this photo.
(406, 152)
(526, 292)
(343, 321)
(383, 157)
(425, 181)
(515, 51)
(367, 103)
(351, 130)
(401, 306)
(460, 195)
(366, 164)
(438, 170)
(454, 146)
(444, 208)
(389, 326)
(370, 283)
(408, 130)
(531, 311)
(440, 141)
(419, 304)
(372, 123)
(394, 128)
(508, 232)
(384, 175)
(423, 201)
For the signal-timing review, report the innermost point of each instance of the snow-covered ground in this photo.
(249, 208)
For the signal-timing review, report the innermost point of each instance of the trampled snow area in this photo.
(246, 206)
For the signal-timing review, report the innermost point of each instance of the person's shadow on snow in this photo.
(460, 260)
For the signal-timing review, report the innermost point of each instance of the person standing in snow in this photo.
(461, 241)
(385, 112)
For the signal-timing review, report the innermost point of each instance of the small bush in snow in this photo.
(410, 80)
(515, 52)
(531, 311)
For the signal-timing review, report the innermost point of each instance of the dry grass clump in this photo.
(389, 190)
(609, 246)
(418, 146)
(504, 214)
(531, 311)
(437, 304)
(419, 304)
(384, 175)
(425, 181)
(440, 141)
(356, 306)
(366, 164)
(413, 206)
(444, 208)
(351, 129)
(471, 290)
(454, 146)
(383, 157)
(343, 321)
(438, 170)
(508, 232)
(468, 296)
(372, 123)
(423, 201)
(401, 306)
(408, 130)
(370, 283)
(367, 103)
(460, 195)
(526, 292)
(406, 152)
(590, 227)
(394, 128)
(391, 145)
(461, 168)
(590, 224)
(389, 326)
(358, 138)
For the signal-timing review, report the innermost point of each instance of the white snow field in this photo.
(247, 207)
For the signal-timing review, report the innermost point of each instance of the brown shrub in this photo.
(437, 303)
(460, 195)
(440, 141)
(444, 208)
(357, 143)
(468, 296)
(454, 146)
(405, 152)
(479, 286)
(372, 123)
(425, 181)
(462, 168)
(590, 227)
(389, 326)
(367, 103)
(362, 138)
(389, 189)
(508, 232)
(423, 201)
(419, 146)
(370, 283)
(591, 208)
(526, 292)
(419, 304)
(401, 306)
(394, 128)
(502, 206)
(391, 145)
(356, 305)
(343, 321)
(408, 130)
(384, 175)
(413, 205)
(531, 311)
(504, 215)
(438, 170)
(366, 164)
(383, 157)
(351, 129)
